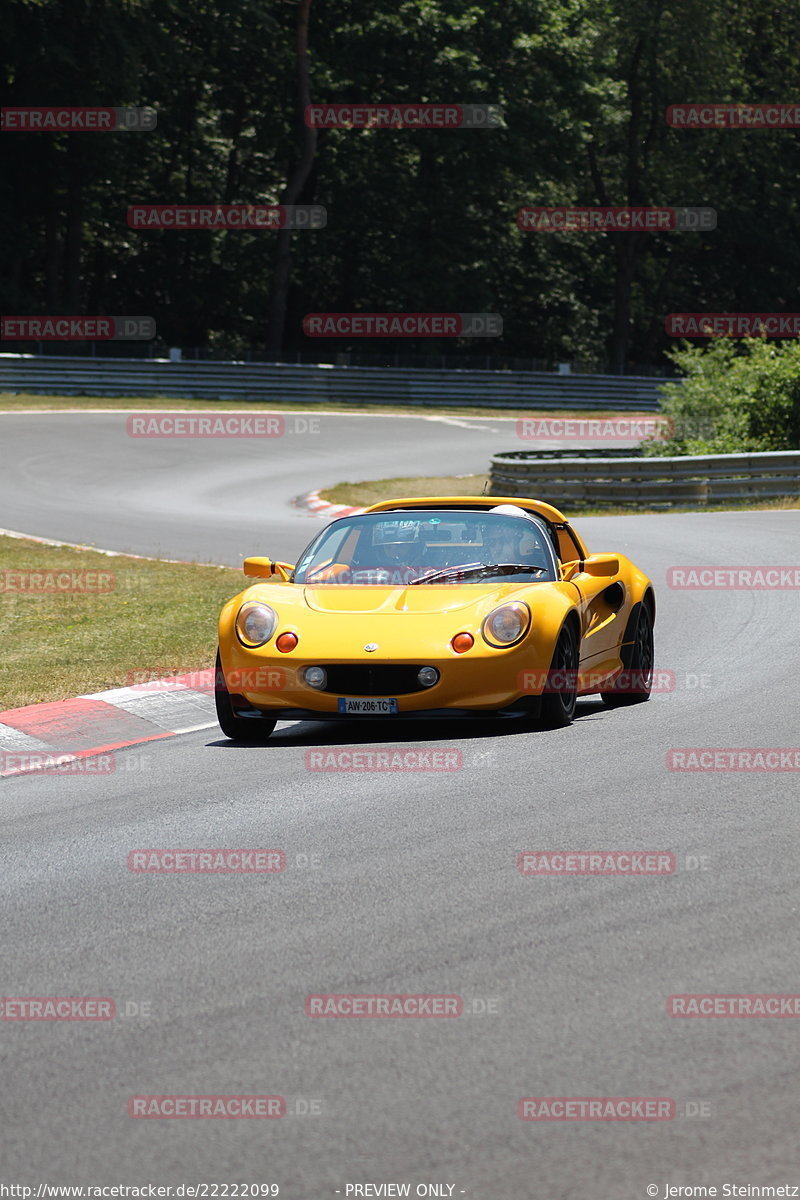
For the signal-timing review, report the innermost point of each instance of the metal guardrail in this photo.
(698, 479)
(320, 384)
(595, 452)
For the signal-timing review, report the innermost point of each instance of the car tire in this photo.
(239, 729)
(640, 671)
(558, 707)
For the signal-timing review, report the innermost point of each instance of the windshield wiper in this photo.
(478, 569)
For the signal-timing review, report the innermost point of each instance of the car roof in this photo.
(473, 504)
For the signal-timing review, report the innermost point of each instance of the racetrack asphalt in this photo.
(79, 477)
(407, 883)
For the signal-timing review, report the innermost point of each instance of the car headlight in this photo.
(255, 624)
(507, 624)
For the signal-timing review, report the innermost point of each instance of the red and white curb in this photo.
(317, 507)
(48, 737)
(44, 737)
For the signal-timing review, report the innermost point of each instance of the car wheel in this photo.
(558, 704)
(634, 683)
(240, 729)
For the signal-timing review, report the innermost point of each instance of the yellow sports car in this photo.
(435, 607)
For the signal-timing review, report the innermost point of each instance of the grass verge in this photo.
(24, 402)
(371, 491)
(156, 619)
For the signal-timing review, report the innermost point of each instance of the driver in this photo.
(397, 554)
(503, 543)
(393, 556)
(512, 542)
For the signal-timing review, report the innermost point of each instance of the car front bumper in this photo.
(471, 684)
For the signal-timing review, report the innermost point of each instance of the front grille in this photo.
(349, 679)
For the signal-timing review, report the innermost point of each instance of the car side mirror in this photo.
(265, 568)
(601, 565)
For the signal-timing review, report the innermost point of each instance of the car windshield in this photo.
(436, 546)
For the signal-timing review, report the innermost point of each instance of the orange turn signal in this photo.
(286, 642)
(462, 642)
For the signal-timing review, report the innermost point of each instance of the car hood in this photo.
(424, 598)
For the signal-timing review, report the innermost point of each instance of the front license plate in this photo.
(378, 708)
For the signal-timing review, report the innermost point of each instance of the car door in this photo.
(604, 613)
(604, 604)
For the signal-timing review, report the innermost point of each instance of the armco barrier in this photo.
(320, 384)
(699, 479)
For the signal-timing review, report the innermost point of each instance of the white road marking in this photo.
(13, 533)
(469, 422)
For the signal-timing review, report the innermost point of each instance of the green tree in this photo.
(736, 397)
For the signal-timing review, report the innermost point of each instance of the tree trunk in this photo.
(626, 246)
(625, 254)
(297, 180)
(73, 242)
(51, 236)
(656, 329)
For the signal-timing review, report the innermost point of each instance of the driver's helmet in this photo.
(399, 543)
(509, 541)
